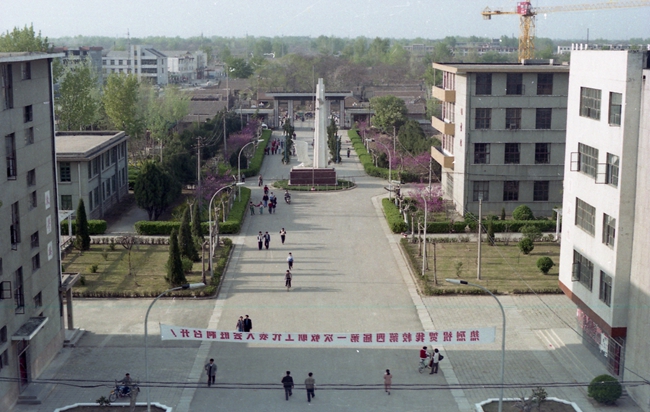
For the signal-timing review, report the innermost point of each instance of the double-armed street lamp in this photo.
(503, 336)
(146, 330)
(239, 164)
(210, 252)
(390, 168)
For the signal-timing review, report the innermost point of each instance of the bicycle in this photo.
(424, 364)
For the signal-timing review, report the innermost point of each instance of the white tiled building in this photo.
(145, 62)
(606, 207)
(185, 66)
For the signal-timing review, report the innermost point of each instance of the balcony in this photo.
(444, 95)
(443, 127)
(446, 161)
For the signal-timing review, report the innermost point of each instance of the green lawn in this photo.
(112, 277)
(503, 267)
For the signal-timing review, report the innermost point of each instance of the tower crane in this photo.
(527, 14)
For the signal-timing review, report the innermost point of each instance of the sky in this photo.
(430, 19)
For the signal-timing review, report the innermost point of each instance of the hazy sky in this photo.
(342, 18)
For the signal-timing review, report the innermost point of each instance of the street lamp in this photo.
(503, 337)
(146, 330)
(390, 169)
(210, 252)
(239, 164)
(424, 251)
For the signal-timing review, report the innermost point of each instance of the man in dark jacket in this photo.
(248, 324)
(287, 382)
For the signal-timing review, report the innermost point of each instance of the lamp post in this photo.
(146, 331)
(503, 337)
(210, 252)
(424, 248)
(390, 170)
(239, 165)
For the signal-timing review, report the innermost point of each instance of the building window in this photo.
(66, 202)
(543, 118)
(511, 153)
(585, 216)
(612, 170)
(38, 300)
(3, 335)
(15, 226)
(609, 230)
(95, 162)
(481, 191)
(119, 62)
(112, 62)
(114, 155)
(605, 292)
(482, 153)
(29, 136)
(26, 70)
(482, 120)
(104, 62)
(540, 190)
(483, 83)
(544, 83)
(615, 107)
(542, 153)
(19, 292)
(10, 153)
(510, 190)
(34, 240)
(450, 184)
(28, 113)
(514, 83)
(65, 174)
(128, 62)
(96, 196)
(583, 269)
(36, 262)
(590, 103)
(588, 159)
(7, 84)
(33, 200)
(513, 118)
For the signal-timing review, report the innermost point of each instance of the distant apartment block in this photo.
(76, 55)
(185, 66)
(503, 135)
(92, 166)
(606, 208)
(31, 306)
(147, 63)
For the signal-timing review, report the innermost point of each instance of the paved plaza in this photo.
(349, 276)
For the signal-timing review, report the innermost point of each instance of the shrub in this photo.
(522, 212)
(531, 232)
(187, 264)
(394, 217)
(82, 280)
(605, 389)
(95, 227)
(526, 245)
(111, 245)
(105, 254)
(490, 232)
(93, 268)
(545, 264)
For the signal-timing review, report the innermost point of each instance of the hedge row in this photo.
(95, 227)
(256, 162)
(230, 226)
(394, 217)
(368, 165)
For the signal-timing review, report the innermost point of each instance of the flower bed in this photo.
(550, 405)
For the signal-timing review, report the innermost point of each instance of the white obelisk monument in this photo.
(320, 127)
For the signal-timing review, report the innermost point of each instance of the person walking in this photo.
(266, 190)
(211, 370)
(348, 152)
(310, 385)
(287, 280)
(267, 240)
(252, 207)
(265, 199)
(248, 324)
(435, 359)
(260, 181)
(283, 235)
(240, 324)
(289, 260)
(260, 240)
(261, 206)
(287, 383)
(388, 380)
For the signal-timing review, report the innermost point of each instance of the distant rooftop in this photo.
(533, 66)
(84, 145)
(27, 56)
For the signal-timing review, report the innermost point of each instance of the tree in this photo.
(412, 139)
(238, 68)
(23, 40)
(77, 102)
(185, 241)
(162, 112)
(154, 190)
(197, 231)
(82, 240)
(526, 245)
(333, 141)
(522, 212)
(490, 232)
(120, 100)
(544, 264)
(390, 112)
(175, 274)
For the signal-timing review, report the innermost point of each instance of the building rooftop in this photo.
(27, 56)
(531, 66)
(81, 146)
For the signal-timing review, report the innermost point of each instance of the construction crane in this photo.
(527, 14)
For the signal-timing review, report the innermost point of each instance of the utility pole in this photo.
(480, 215)
(225, 147)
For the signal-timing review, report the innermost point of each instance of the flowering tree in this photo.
(213, 182)
(237, 140)
(434, 201)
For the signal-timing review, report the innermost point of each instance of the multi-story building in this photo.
(503, 133)
(91, 54)
(185, 66)
(605, 241)
(145, 62)
(92, 166)
(31, 311)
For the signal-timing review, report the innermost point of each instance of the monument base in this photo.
(312, 176)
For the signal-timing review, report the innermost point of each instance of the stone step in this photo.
(28, 400)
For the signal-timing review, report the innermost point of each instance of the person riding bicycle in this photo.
(424, 355)
(126, 382)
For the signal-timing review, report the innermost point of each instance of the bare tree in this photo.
(127, 243)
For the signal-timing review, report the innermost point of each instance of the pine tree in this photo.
(490, 232)
(185, 241)
(197, 232)
(82, 241)
(175, 274)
